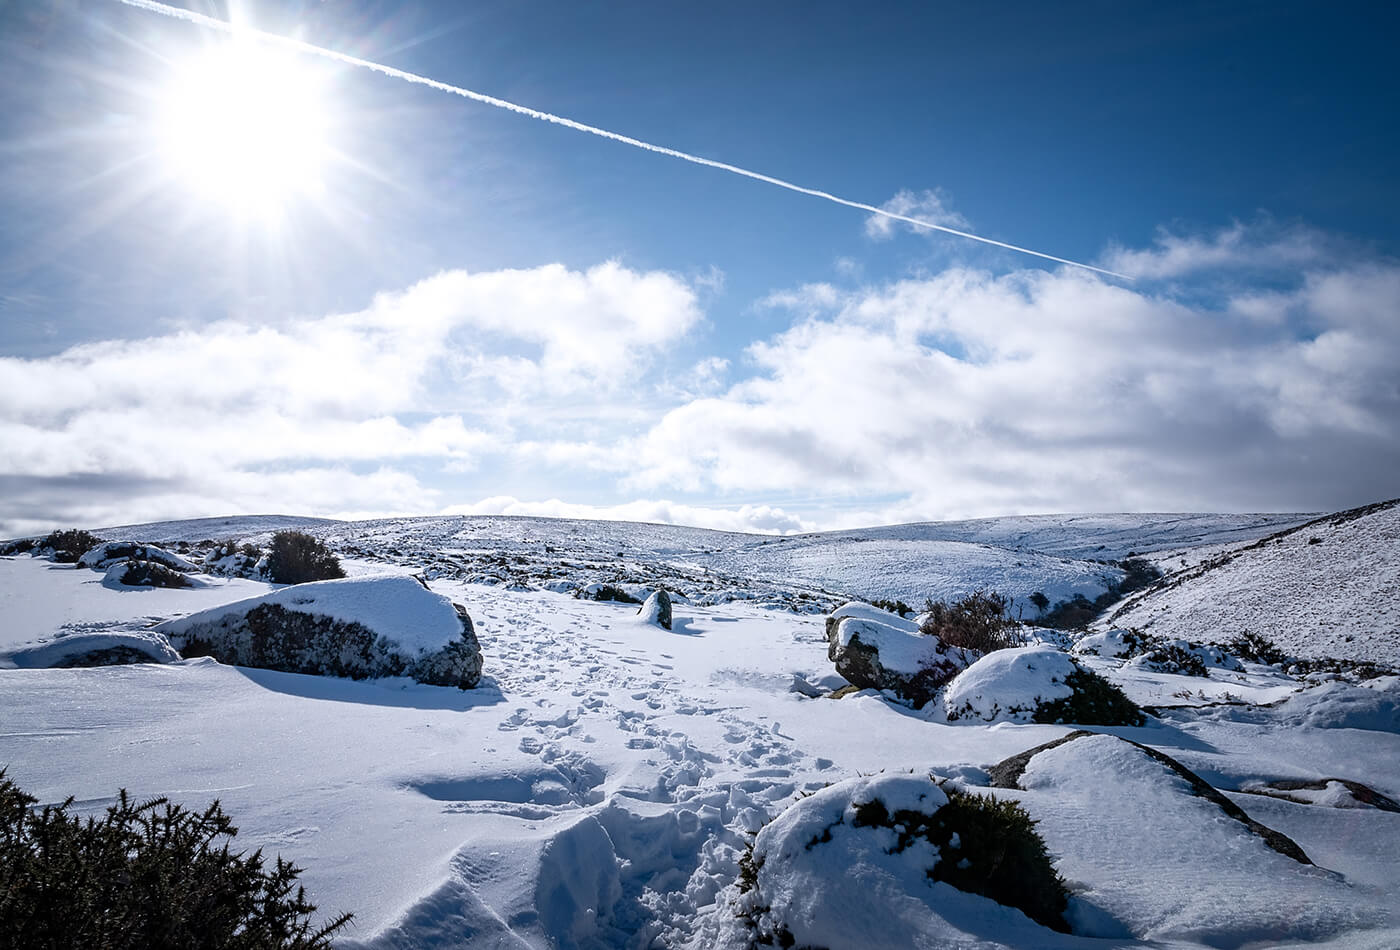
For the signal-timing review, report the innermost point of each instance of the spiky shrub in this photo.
(1257, 648)
(18, 546)
(985, 846)
(897, 607)
(1173, 658)
(71, 544)
(145, 875)
(1094, 702)
(980, 621)
(295, 557)
(609, 592)
(151, 574)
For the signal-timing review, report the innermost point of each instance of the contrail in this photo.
(272, 38)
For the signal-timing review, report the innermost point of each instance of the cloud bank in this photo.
(969, 393)
(552, 391)
(315, 414)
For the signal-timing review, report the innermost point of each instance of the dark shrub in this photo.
(997, 852)
(151, 574)
(1137, 574)
(1257, 648)
(1173, 658)
(296, 558)
(1094, 702)
(977, 622)
(608, 592)
(1073, 614)
(18, 546)
(146, 875)
(897, 607)
(1039, 601)
(71, 544)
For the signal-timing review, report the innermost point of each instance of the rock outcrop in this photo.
(875, 649)
(359, 628)
(656, 609)
(114, 552)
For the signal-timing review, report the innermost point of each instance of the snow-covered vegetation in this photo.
(661, 749)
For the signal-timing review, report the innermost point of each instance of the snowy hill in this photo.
(608, 782)
(1328, 587)
(1057, 555)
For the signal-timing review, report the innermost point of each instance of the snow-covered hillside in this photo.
(1057, 555)
(1330, 587)
(603, 785)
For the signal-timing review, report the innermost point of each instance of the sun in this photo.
(247, 126)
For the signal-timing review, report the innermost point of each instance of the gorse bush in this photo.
(986, 846)
(896, 607)
(151, 574)
(148, 876)
(1258, 648)
(980, 621)
(1094, 701)
(71, 544)
(295, 557)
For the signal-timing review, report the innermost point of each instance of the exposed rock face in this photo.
(874, 649)
(657, 610)
(458, 663)
(270, 636)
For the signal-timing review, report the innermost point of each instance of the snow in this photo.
(875, 615)
(398, 608)
(1140, 854)
(54, 652)
(1007, 685)
(1329, 588)
(1107, 643)
(601, 785)
(40, 599)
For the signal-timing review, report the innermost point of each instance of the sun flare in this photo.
(247, 126)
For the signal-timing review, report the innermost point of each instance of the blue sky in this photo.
(474, 311)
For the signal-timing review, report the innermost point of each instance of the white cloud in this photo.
(971, 394)
(443, 371)
(927, 205)
(1262, 245)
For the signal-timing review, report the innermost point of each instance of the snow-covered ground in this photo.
(1329, 588)
(601, 785)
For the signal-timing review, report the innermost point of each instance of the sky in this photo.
(239, 279)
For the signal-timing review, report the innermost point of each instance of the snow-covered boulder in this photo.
(1036, 684)
(123, 574)
(235, 560)
(357, 627)
(875, 649)
(112, 552)
(93, 649)
(656, 609)
(887, 860)
(1139, 834)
